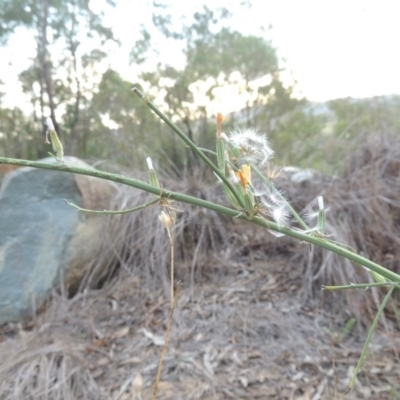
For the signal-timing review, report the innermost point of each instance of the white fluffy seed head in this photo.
(253, 146)
(280, 215)
(310, 215)
(269, 195)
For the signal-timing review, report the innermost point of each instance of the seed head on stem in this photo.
(252, 145)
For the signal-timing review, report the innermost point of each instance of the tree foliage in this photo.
(97, 116)
(216, 58)
(55, 80)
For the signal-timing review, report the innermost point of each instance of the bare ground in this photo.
(243, 333)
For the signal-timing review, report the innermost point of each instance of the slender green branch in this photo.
(272, 186)
(369, 337)
(358, 286)
(324, 243)
(136, 183)
(128, 210)
(189, 143)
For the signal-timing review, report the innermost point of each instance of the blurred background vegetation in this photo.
(98, 117)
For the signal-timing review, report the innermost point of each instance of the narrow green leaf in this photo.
(369, 337)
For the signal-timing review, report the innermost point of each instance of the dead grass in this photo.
(251, 321)
(364, 214)
(42, 364)
(242, 335)
(137, 242)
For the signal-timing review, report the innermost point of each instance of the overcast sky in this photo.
(334, 48)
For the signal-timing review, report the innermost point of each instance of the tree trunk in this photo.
(45, 62)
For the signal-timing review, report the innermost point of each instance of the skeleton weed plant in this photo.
(246, 172)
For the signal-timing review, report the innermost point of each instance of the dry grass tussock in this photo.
(246, 324)
(137, 242)
(37, 367)
(364, 214)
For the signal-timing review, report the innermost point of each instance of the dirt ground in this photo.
(244, 332)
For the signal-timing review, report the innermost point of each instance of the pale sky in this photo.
(334, 48)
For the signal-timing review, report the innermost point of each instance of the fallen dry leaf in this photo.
(120, 333)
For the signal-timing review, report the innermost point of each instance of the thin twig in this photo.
(172, 254)
(128, 210)
(359, 286)
(165, 342)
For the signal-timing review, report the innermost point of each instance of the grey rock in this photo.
(43, 241)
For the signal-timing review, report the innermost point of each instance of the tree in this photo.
(122, 129)
(216, 57)
(55, 84)
(15, 132)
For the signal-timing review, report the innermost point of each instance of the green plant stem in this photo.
(127, 211)
(324, 243)
(369, 337)
(358, 286)
(189, 143)
(271, 185)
